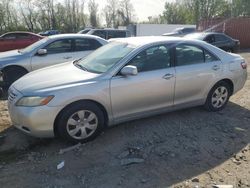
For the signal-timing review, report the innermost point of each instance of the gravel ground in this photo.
(187, 148)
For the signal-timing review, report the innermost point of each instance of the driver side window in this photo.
(59, 46)
(154, 58)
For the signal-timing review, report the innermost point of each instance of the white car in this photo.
(49, 51)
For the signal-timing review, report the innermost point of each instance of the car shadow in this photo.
(174, 146)
(3, 94)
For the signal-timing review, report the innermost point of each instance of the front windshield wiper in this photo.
(79, 65)
(19, 51)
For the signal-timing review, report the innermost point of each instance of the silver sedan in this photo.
(46, 52)
(126, 79)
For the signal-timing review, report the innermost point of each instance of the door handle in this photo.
(168, 76)
(68, 57)
(216, 67)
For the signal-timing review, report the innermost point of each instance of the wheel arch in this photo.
(229, 82)
(14, 66)
(106, 117)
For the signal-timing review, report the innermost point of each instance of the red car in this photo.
(17, 40)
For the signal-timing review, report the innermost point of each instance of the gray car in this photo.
(124, 80)
(46, 52)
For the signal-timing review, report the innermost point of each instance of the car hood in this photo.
(53, 78)
(9, 55)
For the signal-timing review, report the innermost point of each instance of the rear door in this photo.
(196, 69)
(58, 51)
(23, 40)
(151, 89)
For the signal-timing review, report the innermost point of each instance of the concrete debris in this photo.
(129, 161)
(60, 165)
(124, 154)
(62, 151)
(223, 186)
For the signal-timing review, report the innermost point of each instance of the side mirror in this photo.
(42, 52)
(129, 70)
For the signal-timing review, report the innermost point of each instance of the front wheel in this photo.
(218, 97)
(81, 122)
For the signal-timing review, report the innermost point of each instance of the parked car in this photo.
(219, 40)
(84, 31)
(124, 80)
(180, 32)
(49, 32)
(110, 33)
(48, 51)
(17, 40)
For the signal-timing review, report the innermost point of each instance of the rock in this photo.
(129, 161)
(196, 180)
(237, 162)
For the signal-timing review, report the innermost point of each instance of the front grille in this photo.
(11, 96)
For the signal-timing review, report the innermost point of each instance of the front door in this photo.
(59, 51)
(151, 89)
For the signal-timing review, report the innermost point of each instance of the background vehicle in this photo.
(109, 33)
(219, 40)
(49, 32)
(181, 31)
(84, 31)
(17, 40)
(49, 51)
(124, 80)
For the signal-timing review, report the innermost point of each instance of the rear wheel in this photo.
(11, 74)
(218, 97)
(81, 122)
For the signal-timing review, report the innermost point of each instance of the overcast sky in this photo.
(146, 8)
(143, 8)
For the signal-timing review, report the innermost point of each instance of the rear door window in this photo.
(221, 38)
(86, 44)
(187, 54)
(10, 36)
(100, 33)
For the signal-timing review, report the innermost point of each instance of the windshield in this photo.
(198, 36)
(34, 46)
(105, 57)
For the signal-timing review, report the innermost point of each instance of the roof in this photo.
(140, 41)
(74, 35)
(25, 32)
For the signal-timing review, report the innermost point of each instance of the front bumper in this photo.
(34, 121)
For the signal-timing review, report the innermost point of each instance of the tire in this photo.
(80, 122)
(11, 74)
(218, 97)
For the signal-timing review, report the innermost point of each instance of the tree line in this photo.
(74, 15)
(65, 15)
(192, 11)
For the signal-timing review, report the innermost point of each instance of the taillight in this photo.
(243, 65)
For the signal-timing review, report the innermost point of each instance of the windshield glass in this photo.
(105, 57)
(34, 46)
(198, 36)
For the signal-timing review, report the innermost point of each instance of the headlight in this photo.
(34, 101)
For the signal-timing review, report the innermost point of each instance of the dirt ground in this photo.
(187, 148)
